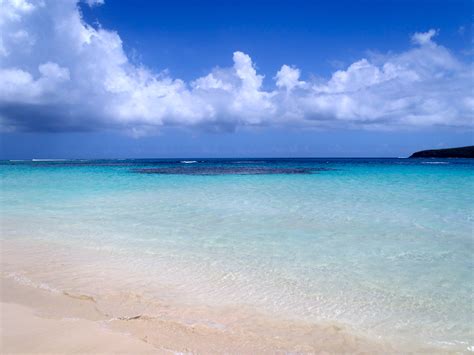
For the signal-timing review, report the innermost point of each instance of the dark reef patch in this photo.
(221, 170)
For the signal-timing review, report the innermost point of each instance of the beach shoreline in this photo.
(35, 320)
(38, 318)
(24, 331)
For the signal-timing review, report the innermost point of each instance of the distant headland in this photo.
(460, 152)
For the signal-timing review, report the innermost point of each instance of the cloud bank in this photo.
(57, 73)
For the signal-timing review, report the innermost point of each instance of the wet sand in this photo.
(35, 320)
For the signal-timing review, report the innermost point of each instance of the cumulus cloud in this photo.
(59, 73)
(288, 78)
(424, 38)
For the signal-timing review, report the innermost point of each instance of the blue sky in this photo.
(234, 78)
(191, 37)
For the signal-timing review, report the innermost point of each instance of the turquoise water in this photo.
(384, 246)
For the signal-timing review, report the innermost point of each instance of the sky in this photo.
(144, 79)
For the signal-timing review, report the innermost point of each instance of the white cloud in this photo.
(288, 78)
(92, 3)
(59, 73)
(424, 38)
(53, 71)
(13, 10)
(209, 82)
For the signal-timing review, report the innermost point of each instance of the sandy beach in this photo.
(38, 321)
(24, 331)
(40, 318)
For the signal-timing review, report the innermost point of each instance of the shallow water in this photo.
(384, 246)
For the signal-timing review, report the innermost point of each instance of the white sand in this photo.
(23, 331)
(34, 320)
(37, 319)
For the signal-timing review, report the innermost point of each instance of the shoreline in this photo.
(24, 331)
(45, 316)
(37, 320)
(55, 287)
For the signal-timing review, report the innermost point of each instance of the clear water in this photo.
(384, 246)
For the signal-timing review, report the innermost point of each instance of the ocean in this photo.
(383, 247)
